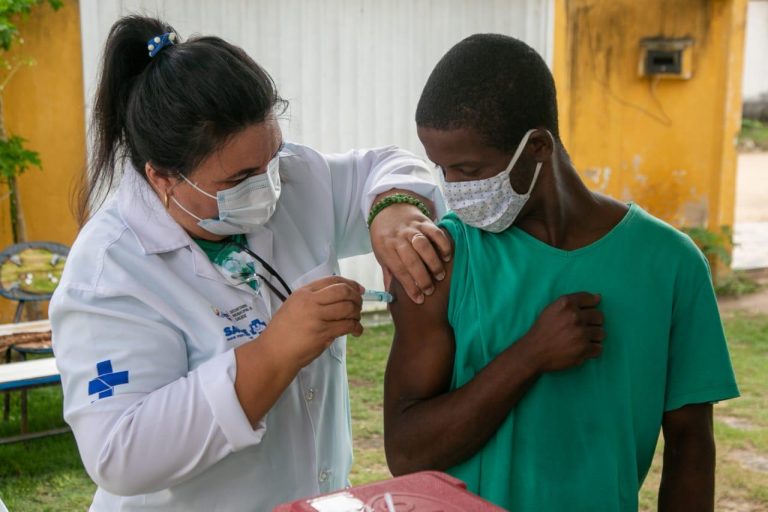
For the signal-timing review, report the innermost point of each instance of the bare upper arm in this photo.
(692, 420)
(421, 360)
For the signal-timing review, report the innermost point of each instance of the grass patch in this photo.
(753, 135)
(46, 474)
(366, 362)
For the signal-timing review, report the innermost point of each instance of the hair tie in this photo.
(157, 43)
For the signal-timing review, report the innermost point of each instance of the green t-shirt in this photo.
(230, 260)
(583, 439)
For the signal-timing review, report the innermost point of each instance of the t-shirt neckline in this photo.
(532, 240)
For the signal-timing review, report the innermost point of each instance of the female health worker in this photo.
(200, 323)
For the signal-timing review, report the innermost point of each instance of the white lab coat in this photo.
(139, 296)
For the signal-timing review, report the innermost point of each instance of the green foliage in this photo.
(736, 284)
(714, 244)
(751, 124)
(11, 8)
(753, 135)
(15, 158)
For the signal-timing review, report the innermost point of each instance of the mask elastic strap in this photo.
(518, 151)
(535, 177)
(197, 188)
(185, 210)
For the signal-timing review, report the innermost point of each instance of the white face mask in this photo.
(490, 204)
(245, 206)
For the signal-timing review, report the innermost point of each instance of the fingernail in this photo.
(440, 276)
(420, 299)
(429, 291)
(447, 258)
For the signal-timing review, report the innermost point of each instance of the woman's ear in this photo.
(161, 182)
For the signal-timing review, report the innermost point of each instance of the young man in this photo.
(570, 327)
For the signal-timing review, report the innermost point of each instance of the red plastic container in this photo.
(427, 491)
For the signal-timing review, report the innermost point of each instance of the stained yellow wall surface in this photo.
(666, 144)
(44, 104)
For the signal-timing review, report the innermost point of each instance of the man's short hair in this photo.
(492, 83)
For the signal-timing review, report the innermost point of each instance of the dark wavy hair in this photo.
(172, 110)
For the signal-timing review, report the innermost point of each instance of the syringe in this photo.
(377, 296)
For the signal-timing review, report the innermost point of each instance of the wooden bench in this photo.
(28, 374)
(24, 375)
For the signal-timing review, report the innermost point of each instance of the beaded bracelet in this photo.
(397, 199)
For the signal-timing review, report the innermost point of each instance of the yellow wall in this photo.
(668, 145)
(44, 104)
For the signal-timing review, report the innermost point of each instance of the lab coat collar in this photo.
(145, 216)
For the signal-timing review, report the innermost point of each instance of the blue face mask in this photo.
(244, 207)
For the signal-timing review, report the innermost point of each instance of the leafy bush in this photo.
(716, 246)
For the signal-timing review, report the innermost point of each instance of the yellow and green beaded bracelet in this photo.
(397, 199)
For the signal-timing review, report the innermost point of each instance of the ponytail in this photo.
(125, 58)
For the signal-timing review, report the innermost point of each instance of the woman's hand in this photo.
(312, 317)
(301, 329)
(408, 245)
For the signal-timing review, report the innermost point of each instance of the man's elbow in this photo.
(693, 445)
(401, 459)
(399, 463)
(689, 450)
(689, 432)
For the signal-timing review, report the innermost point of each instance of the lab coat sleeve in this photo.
(142, 421)
(358, 176)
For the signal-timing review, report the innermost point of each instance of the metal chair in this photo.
(29, 272)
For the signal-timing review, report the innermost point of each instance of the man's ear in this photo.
(543, 145)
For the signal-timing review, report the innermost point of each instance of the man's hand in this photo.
(567, 333)
(409, 246)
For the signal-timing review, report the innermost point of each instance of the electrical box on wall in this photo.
(666, 58)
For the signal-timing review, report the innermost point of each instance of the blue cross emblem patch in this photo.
(105, 383)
